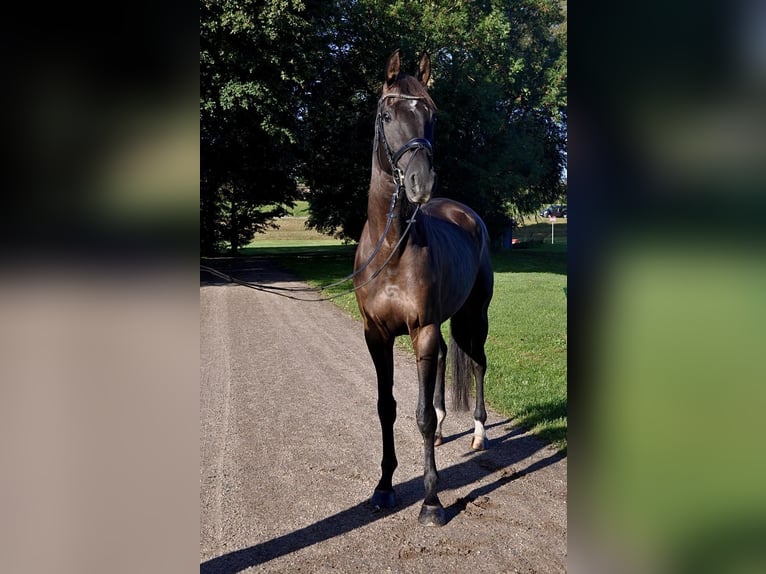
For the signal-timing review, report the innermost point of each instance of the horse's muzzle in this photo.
(419, 185)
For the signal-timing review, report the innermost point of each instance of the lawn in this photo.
(527, 343)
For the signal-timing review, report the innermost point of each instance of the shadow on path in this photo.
(511, 448)
(261, 270)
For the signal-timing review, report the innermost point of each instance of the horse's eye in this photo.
(386, 117)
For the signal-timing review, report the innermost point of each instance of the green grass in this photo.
(301, 209)
(527, 343)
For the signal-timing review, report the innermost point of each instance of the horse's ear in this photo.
(424, 69)
(392, 68)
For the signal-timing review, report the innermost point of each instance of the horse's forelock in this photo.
(410, 86)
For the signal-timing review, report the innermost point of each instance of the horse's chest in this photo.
(396, 308)
(392, 300)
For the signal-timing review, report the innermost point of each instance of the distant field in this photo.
(292, 229)
(301, 209)
(538, 229)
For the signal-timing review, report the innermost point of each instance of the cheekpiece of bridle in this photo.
(414, 145)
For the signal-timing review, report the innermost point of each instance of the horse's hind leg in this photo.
(441, 411)
(479, 441)
(480, 331)
(469, 331)
(382, 352)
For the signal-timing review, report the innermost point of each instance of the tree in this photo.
(251, 68)
(500, 83)
(289, 94)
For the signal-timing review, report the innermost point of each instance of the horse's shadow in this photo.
(511, 448)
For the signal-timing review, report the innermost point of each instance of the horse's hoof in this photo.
(479, 443)
(431, 515)
(383, 499)
(438, 440)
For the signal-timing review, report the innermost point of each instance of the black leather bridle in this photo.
(415, 145)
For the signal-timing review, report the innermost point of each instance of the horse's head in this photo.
(405, 121)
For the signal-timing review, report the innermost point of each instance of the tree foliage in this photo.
(289, 94)
(251, 69)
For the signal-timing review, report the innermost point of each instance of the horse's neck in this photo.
(382, 189)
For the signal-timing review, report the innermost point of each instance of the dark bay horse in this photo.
(420, 261)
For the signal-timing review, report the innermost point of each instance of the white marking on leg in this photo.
(479, 431)
(440, 415)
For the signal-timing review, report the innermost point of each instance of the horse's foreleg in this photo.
(441, 411)
(426, 343)
(381, 351)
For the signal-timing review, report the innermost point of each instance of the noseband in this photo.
(414, 145)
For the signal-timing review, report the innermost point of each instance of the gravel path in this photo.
(290, 452)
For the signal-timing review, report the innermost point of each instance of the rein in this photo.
(278, 290)
(415, 145)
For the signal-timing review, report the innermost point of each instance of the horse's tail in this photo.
(462, 373)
